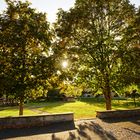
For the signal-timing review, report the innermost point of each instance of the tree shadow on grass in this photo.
(42, 108)
(50, 105)
(100, 102)
(126, 104)
(116, 103)
(45, 104)
(2, 108)
(36, 106)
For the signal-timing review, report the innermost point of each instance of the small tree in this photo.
(25, 39)
(134, 94)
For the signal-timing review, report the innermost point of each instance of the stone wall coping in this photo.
(118, 113)
(35, 120)
(42, 115)
(111, 111)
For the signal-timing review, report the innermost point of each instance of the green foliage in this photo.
(131, 88)
(55, 95)
(130, 69)
(25, 39)
(92, 32)
(71, 90)
(36, 93)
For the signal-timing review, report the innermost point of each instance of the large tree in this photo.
(93, 30)
(25, 39)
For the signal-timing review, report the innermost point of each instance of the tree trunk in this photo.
(21, 107)
(107, 93)
(135, 101)
(107, 100)
(7, 100)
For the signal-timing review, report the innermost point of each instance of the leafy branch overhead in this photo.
(95, 31)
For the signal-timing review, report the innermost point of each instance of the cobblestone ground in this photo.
(94, 129)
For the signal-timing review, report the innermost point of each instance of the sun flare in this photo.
(65, 64)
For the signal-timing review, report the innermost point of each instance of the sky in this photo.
(51, 6)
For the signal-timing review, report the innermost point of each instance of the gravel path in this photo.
(122, 129)
(94, 129)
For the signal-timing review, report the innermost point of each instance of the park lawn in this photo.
(13, 111)
(85, 108)
(80, 109)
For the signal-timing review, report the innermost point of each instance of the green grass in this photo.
(84, 108)
(13, 111)
(80, 109)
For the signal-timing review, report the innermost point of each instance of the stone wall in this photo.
(30, 121)
(118, 113)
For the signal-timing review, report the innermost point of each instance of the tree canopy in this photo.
(97, 41)
(25, 41)
(95, 30)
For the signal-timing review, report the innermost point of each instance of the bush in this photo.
(55, 95)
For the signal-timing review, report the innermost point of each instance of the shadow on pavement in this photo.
(89, 131)
(52, 128)
(95, 128)
(138, 133)
(54, 137)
